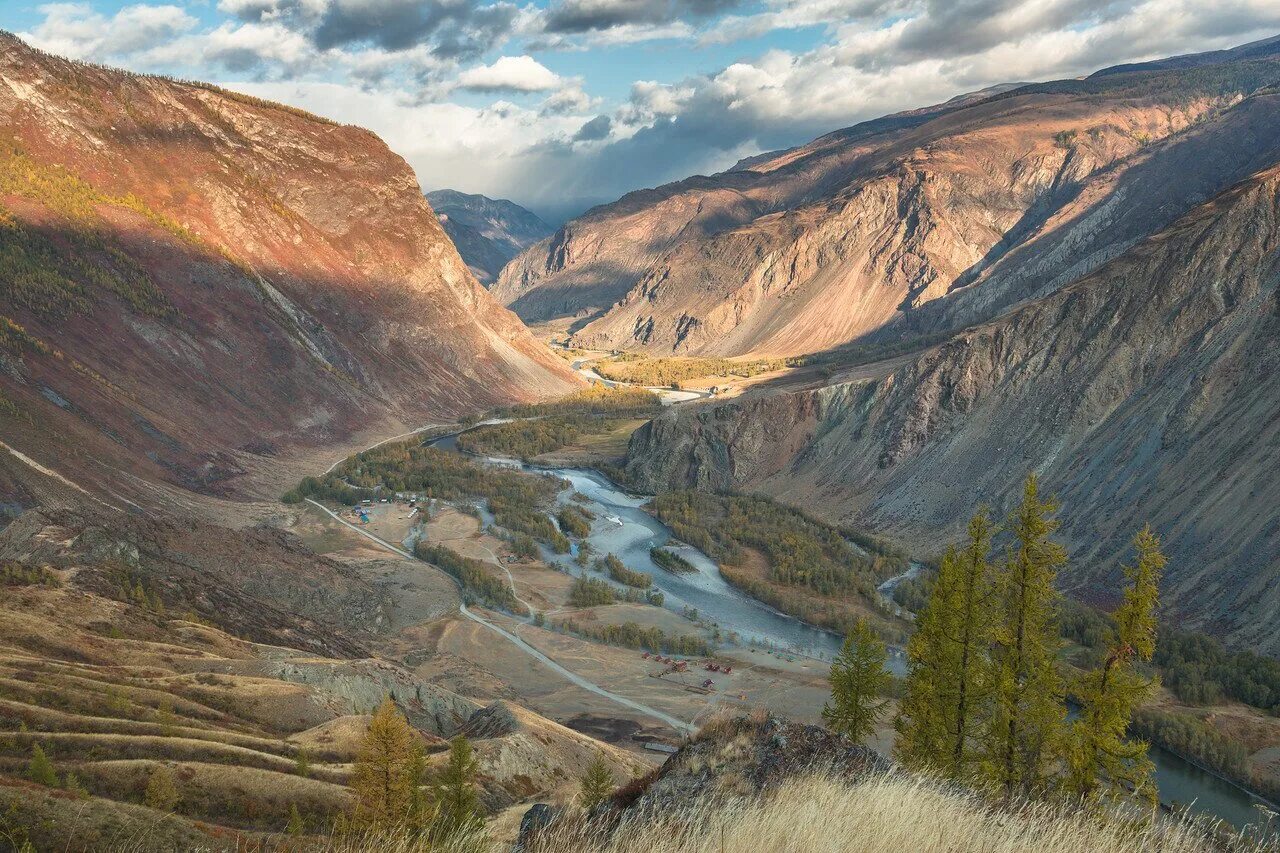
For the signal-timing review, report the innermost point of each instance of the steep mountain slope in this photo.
(195, 281)
(863, 228)
(1144, 391)
(488, 232)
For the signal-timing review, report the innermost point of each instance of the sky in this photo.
(560, 104)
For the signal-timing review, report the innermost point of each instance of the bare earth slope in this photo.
(865, 228)
(1144, 391)
(203, 280)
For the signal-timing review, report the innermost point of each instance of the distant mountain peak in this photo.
(488, 232)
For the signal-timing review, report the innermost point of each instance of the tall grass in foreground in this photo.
(886, 814)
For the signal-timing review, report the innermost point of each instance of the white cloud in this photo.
(76, 30)
(510, 74)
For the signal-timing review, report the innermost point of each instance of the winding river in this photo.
(623, 528)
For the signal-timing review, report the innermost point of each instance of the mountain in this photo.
(200, 285)
(1126, 351)
(863, 230)
(488, 232)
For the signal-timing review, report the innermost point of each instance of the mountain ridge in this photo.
(204, 280)
(488, 232)
(876, 222)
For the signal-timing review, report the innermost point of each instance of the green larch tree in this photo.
(1024, 732)
(596, 785)
(40, 769)
(458, 806)
(1101, 752)
(943, 701)
(858, 681)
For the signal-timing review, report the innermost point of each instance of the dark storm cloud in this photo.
(454, 29)
(597, 128)
(580, 16)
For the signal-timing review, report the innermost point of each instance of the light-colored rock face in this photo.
(859, 230)
(306, 290)
(1146, 391)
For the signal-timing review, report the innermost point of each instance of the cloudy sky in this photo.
(561, 103)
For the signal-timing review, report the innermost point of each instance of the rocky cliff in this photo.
(196, 282)
(1145, 390)
(863, 229)
(488, 232)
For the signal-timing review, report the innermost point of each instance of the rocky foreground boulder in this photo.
(732, 757)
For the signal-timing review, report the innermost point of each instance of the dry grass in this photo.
(887, 814)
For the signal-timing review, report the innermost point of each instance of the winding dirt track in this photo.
(572, 677)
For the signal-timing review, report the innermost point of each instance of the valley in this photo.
(929, 462)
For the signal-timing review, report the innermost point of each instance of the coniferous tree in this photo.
(858, 680)
(1025, 727)
(1101, 750)
(297, 826)
(40, 770)
(942, 705)
(162, 790)
(381, 779)
(458, 806)
(596, 785)
(302, 762)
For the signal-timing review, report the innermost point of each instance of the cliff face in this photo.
(488, 232)
(1146, 391)
(196, 280)
(864, 228)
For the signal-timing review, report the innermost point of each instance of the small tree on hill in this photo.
(40, 770)
(596, 785)
(858, 680)
(458, 806)
(302, 763)
(297, 826)
(162, 790)
(382, 779)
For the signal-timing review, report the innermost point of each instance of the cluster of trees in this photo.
(671, 561)
(526, 439)
(674, 370)
(575, 521)
(801, 551)
(1193, 738)
(394, 793)
(631, 635)
(1200, 670)
(985, 700)
(56, 279)
(20, 574)
(597, 399)
(590, 592)
(615, 569)
(835, 613)
(515, 498)
(476, 577)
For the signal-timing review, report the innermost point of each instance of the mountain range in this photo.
(487, 232)
(1112, 327)
(880, 229)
